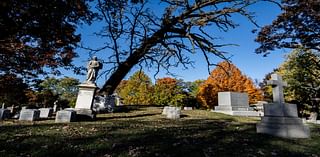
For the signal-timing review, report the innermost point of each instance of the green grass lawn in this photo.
(145, 132)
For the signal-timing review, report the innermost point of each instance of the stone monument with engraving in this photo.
(280, 118)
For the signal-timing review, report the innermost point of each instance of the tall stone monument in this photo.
(85, 96)
(87, 90)
(280, 118)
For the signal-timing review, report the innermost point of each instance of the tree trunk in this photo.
(111, 84)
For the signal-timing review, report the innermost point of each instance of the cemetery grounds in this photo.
(143, 131)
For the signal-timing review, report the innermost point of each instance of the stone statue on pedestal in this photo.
(93, 67)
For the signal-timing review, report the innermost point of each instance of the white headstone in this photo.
(65, 116)
(46, 112)
(29, 114)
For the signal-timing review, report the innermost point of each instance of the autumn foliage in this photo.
(226, 77)
(165, 90)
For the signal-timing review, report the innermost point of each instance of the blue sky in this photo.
(243, 56)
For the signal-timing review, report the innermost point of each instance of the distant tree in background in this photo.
(226, 77)
(137, 90)
(298, 25)
(165, 90)
(37, 37)
(12, 90)
(65, 90)
(301, 72)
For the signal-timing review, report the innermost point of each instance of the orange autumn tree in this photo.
(226, 77)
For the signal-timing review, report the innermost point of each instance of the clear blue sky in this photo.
(243, 56)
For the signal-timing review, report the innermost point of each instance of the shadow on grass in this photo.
(125, 116)
(159, 137)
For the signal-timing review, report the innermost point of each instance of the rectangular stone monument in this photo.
(29, 114)
(46, 112)
(172, 112)
(85, 99)
(4, 114)
(234, 103)
(65, 116)
(280, 118)
(85, 96)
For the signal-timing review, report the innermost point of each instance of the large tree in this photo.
(301, 72)
(36, 36)
(298, 24)
(226, 77)
(163, 38)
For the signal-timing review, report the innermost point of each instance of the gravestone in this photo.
(4, 114)
(104, 104)
(187, 108)
(65, 116)
(46, 112)
(29, 114)
(280, 118)
(172, 112)
(234, 103)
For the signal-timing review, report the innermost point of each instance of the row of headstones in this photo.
(28, 114)
(42, 113)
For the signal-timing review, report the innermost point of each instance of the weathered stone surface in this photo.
(65, 116)
(29, 114)
(275, 109)
(287, 127)
(4, 114)
(85, 96)
(46, 112)
(172, 112)
(235, 103)
(233, 99)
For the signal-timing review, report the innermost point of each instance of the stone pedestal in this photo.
(29, 114)
(65, 116)
(85, 96)
(282, 122)
(85, 100)
(234, 103)
(83, 113)
(46, 112)
(4, 114)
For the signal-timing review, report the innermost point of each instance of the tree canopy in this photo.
(226, 77)
(163, 39)
(36, 36)
(302, 75)
(137, 90)
(298, 25)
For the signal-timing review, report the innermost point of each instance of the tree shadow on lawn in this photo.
(163, 137)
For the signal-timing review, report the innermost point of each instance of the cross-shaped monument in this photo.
(277, 88)
(280, 118)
